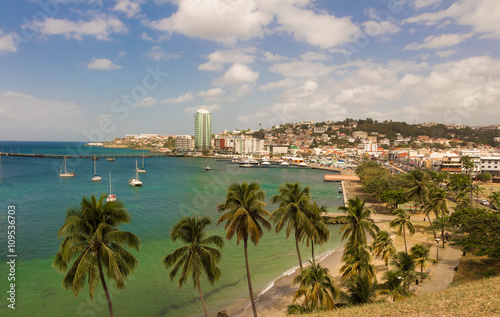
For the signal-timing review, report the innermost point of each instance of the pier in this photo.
(90, 156)
(339, 178)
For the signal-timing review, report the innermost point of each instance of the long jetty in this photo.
(78, 156)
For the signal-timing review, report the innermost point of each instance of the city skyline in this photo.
(97, 70)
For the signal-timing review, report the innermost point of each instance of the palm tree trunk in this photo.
(312, 251)
(249, 279)
(202, 300)
(442, 236)
(404, 236)
(103, 282)
(298, 250)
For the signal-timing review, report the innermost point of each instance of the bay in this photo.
(174, 187)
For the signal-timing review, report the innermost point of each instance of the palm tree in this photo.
(318, 232)
(393, 286)
(197, 256)
(356, 222)
(494, 200)
(357, 261)
(438, 202)
(360, 290)
(405, 268)
(317, 287)
(418, 186)
(420, 255)
(292, 212)
(440, 223)
(91, 235)
(244, 217)
(383, 246)
(402, 222)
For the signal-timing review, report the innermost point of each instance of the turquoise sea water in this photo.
(173, 187)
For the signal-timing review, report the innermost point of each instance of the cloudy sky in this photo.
(96, 70)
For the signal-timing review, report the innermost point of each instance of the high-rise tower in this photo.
(202, 129)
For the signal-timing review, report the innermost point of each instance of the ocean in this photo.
(174, 187)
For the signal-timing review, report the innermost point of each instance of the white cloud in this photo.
(481, 15)
(130, 8)
(102, 64)
(218, 58)
(323, 30)
(214, 92)
(7, 43)
(418, 4)
(216, 20)
(284, 83)
(270, 57)
(315, 56)
(374, 28)
(211, 108)
(439, 41)
(173, 101)
(445, 53)
(242, 90)
(237, 74)
(157, 54)
(24, 116)
(147, 102)
(100, 27)
(301, 69)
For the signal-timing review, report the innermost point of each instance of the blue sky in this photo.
(96, 70)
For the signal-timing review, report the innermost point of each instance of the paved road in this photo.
(442, 274)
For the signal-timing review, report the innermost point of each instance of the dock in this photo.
(78, 156)
(339, 178)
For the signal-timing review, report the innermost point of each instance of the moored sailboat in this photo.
(95, 177)
(65, 173)
(135, 180)
(110, 197)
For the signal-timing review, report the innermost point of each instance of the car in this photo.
(485, 202)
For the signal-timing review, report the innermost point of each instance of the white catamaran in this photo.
(95, 177)
(135, 181)
(66, 173)
(110, 197)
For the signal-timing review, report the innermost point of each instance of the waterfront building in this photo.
(183, 143)
(202, 129)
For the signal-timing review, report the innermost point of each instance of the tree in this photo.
(383, 246)
(318, 232)
(358, 261)
(438, 202)
(468, 166)
(91, 235)
(484, 177)
(479, 230)
(394, 198)
(440, 223)
(404, 266)
(494, 200)
(245, 218)
(356, 222)
(418, 186)
(420, 255)
(402, 222)
(197, 256)
(393, 286)
(292, 211)
(360, 290)
(317, 287)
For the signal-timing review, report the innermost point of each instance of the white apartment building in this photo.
(184, 143)
(248, 146)
(490, 164)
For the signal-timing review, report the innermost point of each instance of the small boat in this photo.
(110, 197)
(66, 173)
(95, 177)
(303, 164)
(111, 159)
(265, 163)
(143, 168)
(135, 180)
(246, 165)
(284, 164)
(208, 168)
(249, 162)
